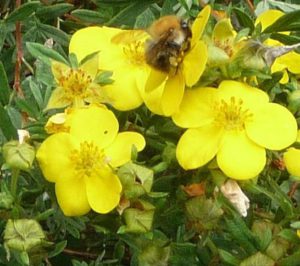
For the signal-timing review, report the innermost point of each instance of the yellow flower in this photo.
(163, 92)
(80, 162)
(291, 160)
(122, 52)
(235, 123)
(75, 87)
(289, 61)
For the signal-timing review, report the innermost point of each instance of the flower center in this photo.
(231, 115)
(135, 52)
(75, 83)
(226, 46)
(88, 160)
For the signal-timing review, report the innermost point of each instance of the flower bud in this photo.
(23, 234)
(18, 156)
(139, 218)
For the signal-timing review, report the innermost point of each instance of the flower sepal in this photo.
(138, 218)
(18, 155)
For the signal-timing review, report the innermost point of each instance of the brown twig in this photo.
(17, 82)
(250, 5)
(80, 253)
(293, 189)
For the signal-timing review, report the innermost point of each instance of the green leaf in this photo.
(5, 89)
(167, 7)
(6, 125)
(59, 247)
(128, 15)
(103, 78)
(284, 6)
(23, 12)
(285, 39)
(52, 32)
(36, 92)
(88, 16)
(228, 258)
(244, 19)
(258, 259)
(45, 54)
(28, 107)
(3, 32)
(53, 11)
(289, 235)
(292, 260)
(145, 19)
(15, 116)
(284, 23)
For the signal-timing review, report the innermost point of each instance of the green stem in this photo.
(14, 182)
(212, 246)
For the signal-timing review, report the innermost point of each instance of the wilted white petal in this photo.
(235, 195)
(23, 135)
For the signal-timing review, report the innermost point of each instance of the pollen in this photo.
(232, 115)
(75, 83)
(135, 52)
(88, 160)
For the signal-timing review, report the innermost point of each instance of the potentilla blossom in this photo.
(81, 158)
(123, 53)
(287, 62)
(163, 92)
(291, 159)
(235, 123)
(76, 86)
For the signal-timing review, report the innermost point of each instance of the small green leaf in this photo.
(258, 259)
(244, 19)
(228, 258)
(73, 60)
(53, 11)
(145, 19)
(3, 32)
(292, 260)
(23, 12)
(59, 247)
(36, 92)
(45, 54)
(284, 23)
(103, 78)
(5, 89)
(6, 125)
(88, 16)
(52, 32)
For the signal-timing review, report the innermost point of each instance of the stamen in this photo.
(232, 115)
(88, 160)
(135, 53)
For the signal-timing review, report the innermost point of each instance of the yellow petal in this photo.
(196, 108)
(90, 39)
(272, 126)
(103, 192)
(54, 157)
(123, 94)
(194, 63)
(172, 94)
(93, 124)
(155, 79)
(91, 66)
(197, 147)
(239, 157)
(292, 161)
(71, 196)
(153, 100)
(199, 24)
(119, 152)
(268, 17)
(223, 33)
(58, 99)
(58, 69)
(278, 66)
(290, 61)
(250, 96)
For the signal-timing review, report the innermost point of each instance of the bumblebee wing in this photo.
(128, 36)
